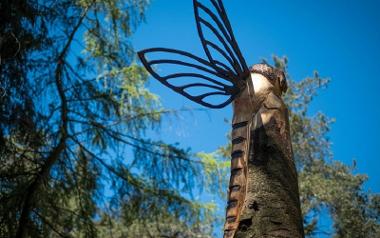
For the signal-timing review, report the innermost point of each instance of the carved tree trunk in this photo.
(267, 201)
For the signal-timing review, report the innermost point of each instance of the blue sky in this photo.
(340, 39)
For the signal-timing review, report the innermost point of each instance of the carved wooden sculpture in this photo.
(263, 197)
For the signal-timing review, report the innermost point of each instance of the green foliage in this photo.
(325, 184)
(75, 110)
(215, 170)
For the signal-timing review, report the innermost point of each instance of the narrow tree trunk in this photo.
(269, 205)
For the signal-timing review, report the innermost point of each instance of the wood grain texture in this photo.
(267, 201)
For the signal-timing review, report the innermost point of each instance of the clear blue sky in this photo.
(340, 39)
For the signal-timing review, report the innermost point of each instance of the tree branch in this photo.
(54, 155)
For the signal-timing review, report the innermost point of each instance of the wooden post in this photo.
(263, 194)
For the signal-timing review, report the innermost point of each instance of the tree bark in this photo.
(268, 202)
(272, 206)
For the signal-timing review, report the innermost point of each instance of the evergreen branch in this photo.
(129, 178)
(51, 225)
(119, 137)
(54, 155)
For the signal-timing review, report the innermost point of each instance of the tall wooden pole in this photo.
(263, 193)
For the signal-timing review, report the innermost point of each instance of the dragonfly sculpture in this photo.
(221, 78)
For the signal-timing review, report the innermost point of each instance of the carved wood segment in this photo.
(263, 198)
(238, 179)
(240, 137)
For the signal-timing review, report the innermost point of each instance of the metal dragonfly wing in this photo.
(213, 82)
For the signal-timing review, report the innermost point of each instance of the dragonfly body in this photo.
(262, 81)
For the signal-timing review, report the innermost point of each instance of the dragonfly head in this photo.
(261, 80)
(265, 77)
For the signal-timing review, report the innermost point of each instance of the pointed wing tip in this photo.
(140, 54)
(144, 61)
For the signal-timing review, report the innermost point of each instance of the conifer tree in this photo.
(75, 160)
